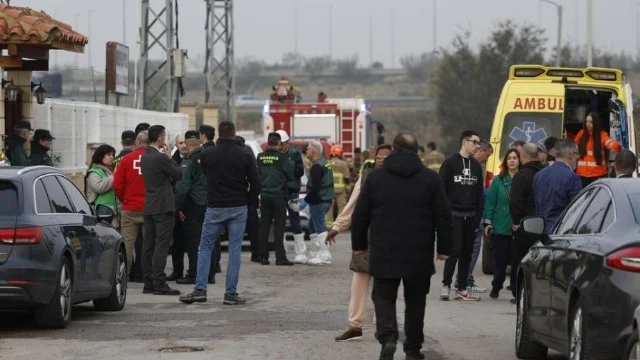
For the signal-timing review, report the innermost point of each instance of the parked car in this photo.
(632, 351)
(54, 250)
(578, 288)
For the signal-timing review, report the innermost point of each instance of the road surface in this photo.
(292, 313)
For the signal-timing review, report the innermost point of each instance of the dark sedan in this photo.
(54, 251)
(578, 287)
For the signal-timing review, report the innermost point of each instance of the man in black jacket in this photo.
(16, 152)
(403, 225)
(462, 177)
(40, 147)
(230, 172)
(522, 204)
(179, 245)
(159, 171)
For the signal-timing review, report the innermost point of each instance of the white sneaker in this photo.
(445, 293)
(476, 289)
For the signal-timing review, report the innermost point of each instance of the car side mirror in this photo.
(105, 213)
(533, 225)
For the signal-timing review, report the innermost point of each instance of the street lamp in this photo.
(41, 92)
(11, 90)
(559, 45)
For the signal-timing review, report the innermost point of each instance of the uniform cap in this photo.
(283, 135)
(42, 134)
(22, 124)
(192, 134)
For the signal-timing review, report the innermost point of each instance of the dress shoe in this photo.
(284, 262)
(212, 280)
(265, 262)
(174, 277)
(187, 280)
(387, 352)
(147, 289)
(256, 259)
(164, 289)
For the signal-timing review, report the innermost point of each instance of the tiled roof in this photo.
(23, 25)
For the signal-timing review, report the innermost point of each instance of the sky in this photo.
(264, 29)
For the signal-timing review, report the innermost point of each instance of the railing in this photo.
(79, 126)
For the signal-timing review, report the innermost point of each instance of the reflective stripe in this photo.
(588, 163)
(434, 166)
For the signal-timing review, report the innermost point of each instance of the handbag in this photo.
(360, 262)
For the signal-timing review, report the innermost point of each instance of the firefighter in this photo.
(341, 179)
(433, 159)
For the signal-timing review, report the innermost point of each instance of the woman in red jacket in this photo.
(594, 145)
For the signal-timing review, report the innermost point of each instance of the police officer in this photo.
(341, 179)
(40, 147)
(191, 202)
(273, 203)
(16, 153)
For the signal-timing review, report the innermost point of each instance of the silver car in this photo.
(632, 351)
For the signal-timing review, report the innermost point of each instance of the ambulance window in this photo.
(529, 127)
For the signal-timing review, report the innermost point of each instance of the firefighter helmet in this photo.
(336, 150)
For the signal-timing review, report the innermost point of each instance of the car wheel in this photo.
(487, 260)
(578, 347)
(526, 347)
(632, 351)
(118, 296)
(57, 313)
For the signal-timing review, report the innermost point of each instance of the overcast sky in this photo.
(264, 28)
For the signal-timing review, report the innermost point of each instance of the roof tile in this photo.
(23, 24)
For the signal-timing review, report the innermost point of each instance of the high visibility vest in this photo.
(326, 191)
(108, 198)
(587, 165)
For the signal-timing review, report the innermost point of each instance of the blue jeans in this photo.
(318, 213)
(294, 216)
(215, 221)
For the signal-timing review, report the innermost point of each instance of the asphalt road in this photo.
(292, 313)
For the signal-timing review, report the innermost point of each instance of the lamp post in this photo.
(11, 90)
(559, 44)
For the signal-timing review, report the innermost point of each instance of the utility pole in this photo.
(589, 33)
(370, 37)
(393, 40)
(330, 31)
(295, 30)
(158, 86)
(435, 28)
(559, 41)
(219, 64)
(124, 22)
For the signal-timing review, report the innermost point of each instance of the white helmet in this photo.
(294, 205)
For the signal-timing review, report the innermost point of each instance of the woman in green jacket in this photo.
(497, 218)
(99, 180)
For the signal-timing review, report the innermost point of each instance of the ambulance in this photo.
(538, 102)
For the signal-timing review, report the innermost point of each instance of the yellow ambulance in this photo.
(538, 102)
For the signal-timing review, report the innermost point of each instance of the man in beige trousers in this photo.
(361, 281)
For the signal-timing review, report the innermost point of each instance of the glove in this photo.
(303, 204)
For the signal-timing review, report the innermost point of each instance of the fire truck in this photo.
(332, 121)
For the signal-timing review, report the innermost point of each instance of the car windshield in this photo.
(529, 127)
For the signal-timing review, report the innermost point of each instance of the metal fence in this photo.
(79, 126)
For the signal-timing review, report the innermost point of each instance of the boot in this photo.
(313, 248)
(323, 257)
(300, 249)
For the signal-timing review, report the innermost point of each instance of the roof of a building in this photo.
(23, 25)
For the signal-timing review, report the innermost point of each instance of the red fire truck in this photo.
(338, 121)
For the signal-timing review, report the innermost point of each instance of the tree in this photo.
(292, 60)
(418, 67)
(317, 65)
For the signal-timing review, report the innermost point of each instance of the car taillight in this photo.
(626, 259)
(487, 179)
(20, 236)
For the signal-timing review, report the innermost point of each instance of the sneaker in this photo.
(234, 299)
(466, 296)
(445, 293)
(494, 293)
(350, 334)
(196, 296)
(414, 355)
(476, 289)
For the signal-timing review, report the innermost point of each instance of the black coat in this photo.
(522, 203)
(39, 155)
(403, 204)
(158, 171)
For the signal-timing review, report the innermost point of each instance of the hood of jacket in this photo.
(403, 163)
(535, 165)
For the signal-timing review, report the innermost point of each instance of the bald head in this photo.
(529, 153)
(406, 140)
(181, 145)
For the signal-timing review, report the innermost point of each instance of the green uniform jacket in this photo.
(17, 154)
(322, 192)
(496, 208)
(193, 185)
(295, 168)
(272, 173)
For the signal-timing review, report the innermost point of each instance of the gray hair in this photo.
(315, 145)
(485, 145)
(143, 137)
(564, 148)
(530, 150)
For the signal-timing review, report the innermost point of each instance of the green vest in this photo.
(326, 192)
(108, 198)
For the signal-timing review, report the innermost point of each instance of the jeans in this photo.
(273, 211)
(215, 221)
(318, 213)
(294, 216)
(463, 237)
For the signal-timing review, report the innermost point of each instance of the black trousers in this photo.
(136, 268)
(158, 230)
(385, 294)
(179, 248)
(520, 246)
(464, 236)
(500, 251)
(194, 218)
(273, 210)
(253, 230)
